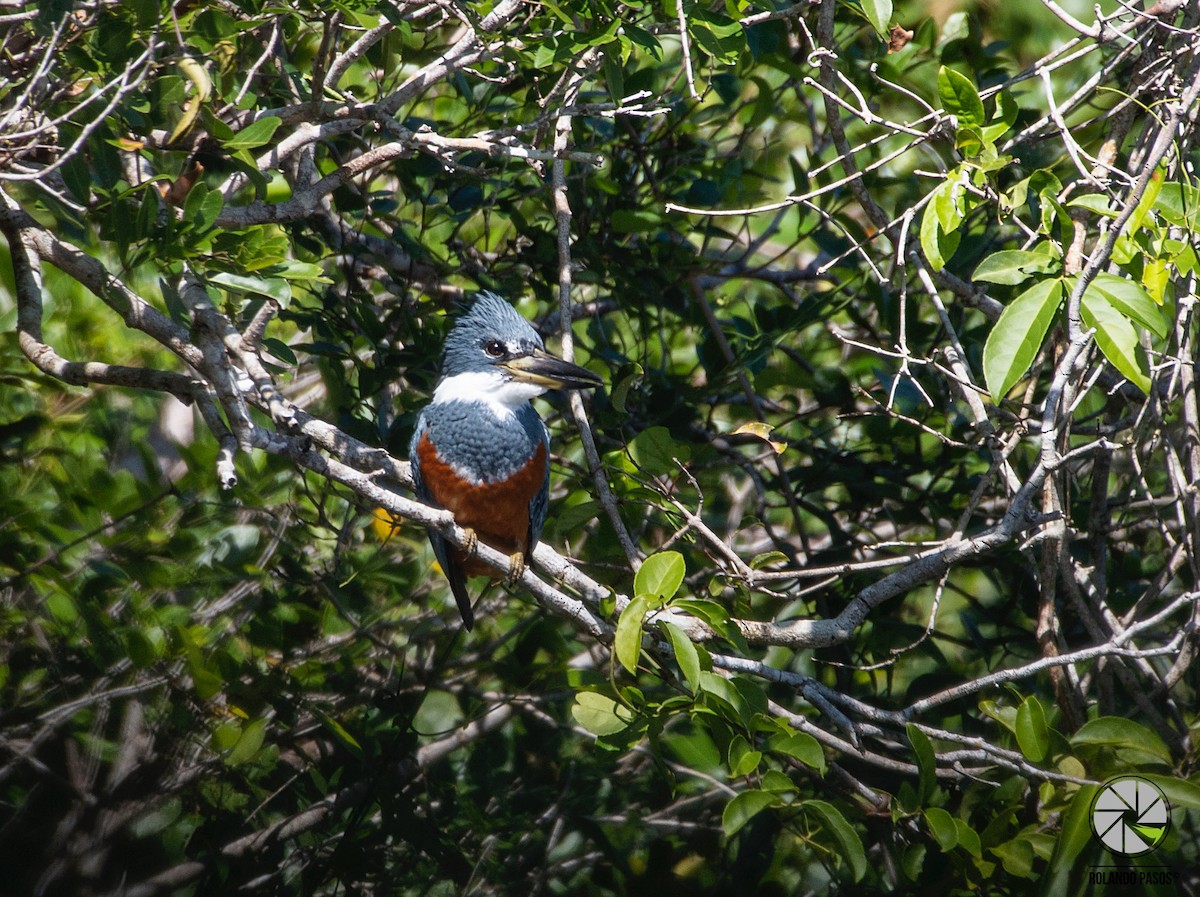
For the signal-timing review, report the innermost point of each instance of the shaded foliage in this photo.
(899, 559)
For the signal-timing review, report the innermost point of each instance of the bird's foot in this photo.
(516, 567)
(470, 542)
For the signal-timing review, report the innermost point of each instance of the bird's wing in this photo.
(539, 505)
(441, 550)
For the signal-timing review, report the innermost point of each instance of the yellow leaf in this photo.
(763, 432)
(385, 524)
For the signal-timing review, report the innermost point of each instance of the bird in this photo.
(480, 450)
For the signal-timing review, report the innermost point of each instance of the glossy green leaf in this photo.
(272, 287)
(660, 576)
(1014, 266)
(1146, 203)
(1117, 731)
(1179, 204)
(721, 694)
(879, 14)
(599, 714)
(767, 558)
(248, 744)
(1016, 856)
(1097, 203)
(1130, 299)
(1018, 334)
(686, 654)
(960, 97)
(942, 827)
(1116, 337)
(743, 759)
(1033, 737)
(1179, 792)
(926, 759)
(254, 134)
(849, 843)
(744, 807)
(627, 643)
(937, 243)
(1074, 836)
(968, 838)
(802, 747)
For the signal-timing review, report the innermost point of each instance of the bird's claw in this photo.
(516, 567)
(470, 542)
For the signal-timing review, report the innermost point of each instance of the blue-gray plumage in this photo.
(479, 449)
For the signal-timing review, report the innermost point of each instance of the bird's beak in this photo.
(543, 369)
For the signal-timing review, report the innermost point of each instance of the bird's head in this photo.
(493, 354)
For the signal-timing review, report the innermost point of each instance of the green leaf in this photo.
(1179, 792)
(1016, 856)
(879, 14)
(254, 134)
(686, 654)
(205, 212)
(620, 391)
(599, 714)
(801, 746)
(968, 838)
(338, 730)
(722, 695)
(937, 244)
(743, 759)
(1014, 266)
(926, 759)
(614, 77)
(660, 576)
(767, 558)
(1178, 204)
(627, 644)
(655, 451)
(947, 201)
(1131, 299)
(743, 808)
(1146, 203)
(1004, 117)
(633, 221)
(1033, 737)
(1074, 836)
(1015, 339)
(942, 827)
(1116, 731)
(1097, 203)
(272, 287)
(960, 97)
(835, 823)
(248, 743)
(1116, 338)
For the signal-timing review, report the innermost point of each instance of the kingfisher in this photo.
(480, 450)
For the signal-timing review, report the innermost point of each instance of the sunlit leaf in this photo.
(659, 577)
(1116, 338)
(960, 97)
(599, 714)
(1018, 334)
(627, 643)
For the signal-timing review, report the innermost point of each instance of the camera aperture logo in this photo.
(1130, 816)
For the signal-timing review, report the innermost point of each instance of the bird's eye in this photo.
(494, 348)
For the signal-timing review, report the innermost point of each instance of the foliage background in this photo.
(815, 610)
